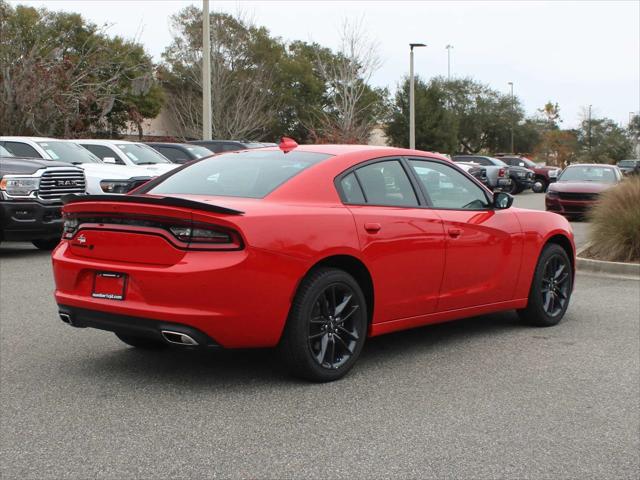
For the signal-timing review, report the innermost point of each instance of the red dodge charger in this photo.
(309, 248)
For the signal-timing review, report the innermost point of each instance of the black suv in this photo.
(30, 193)
(181, 152)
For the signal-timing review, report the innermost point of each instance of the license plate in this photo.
(109, 285)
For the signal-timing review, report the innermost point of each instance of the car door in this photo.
(402, 243)
(483, 245)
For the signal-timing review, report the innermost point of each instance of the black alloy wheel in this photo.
(551, 288)
(327, 326)
(333, 327)
(555, 286)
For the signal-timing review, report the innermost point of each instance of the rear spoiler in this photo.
(150, 200)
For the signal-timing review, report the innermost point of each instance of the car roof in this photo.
(170, 144)
(106, 141)
(604, 165)
(30, 139)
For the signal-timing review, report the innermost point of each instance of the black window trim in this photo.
(424, 202)
(400, 159)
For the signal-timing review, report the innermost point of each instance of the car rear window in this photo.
(245, 173)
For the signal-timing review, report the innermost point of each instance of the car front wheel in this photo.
(327, 326)
(551, 288)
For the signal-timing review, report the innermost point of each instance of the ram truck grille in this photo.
(56, 183)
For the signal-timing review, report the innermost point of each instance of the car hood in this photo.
(158, 168)
(580, 187)
(115, 172)
(25, 166)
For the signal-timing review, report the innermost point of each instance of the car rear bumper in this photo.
(134, 326)
(30, 220)
(237, 299)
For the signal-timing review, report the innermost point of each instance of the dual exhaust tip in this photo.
(175, 338)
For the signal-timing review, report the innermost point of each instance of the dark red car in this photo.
(311, 249)
(579, 186)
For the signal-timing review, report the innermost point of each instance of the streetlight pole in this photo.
(412, 107)
(589, 128)
(449, 47)
(513, 114)
(206, 72)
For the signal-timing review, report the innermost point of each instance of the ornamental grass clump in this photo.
(615, 227)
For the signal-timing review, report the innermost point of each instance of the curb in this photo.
(617, 269)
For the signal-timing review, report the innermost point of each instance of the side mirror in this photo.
(109, 160)
(502, 200)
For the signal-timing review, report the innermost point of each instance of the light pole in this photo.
(412, 113)
(589, 128)
(449, 47)
(206, 73)
(513, 114)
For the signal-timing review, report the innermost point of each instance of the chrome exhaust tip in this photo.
(178, 338)
(65, 317)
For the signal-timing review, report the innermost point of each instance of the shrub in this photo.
(615, 228)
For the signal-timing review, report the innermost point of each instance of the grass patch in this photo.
(615, 223)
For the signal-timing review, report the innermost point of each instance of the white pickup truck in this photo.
(101, 178)
(132, 154)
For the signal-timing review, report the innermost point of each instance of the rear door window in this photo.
(386, 183)
(103, 152)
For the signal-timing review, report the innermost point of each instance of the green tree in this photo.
(607, 143)
(61, 75)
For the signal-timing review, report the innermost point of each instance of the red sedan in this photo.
(311, 249)
(579, 186)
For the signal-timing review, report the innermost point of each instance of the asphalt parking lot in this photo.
(479, 398)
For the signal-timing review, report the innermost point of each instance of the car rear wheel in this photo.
(514, 188)
(141, 342)
(46, 244)
(540, 185)
(551, 288)
(327, 326)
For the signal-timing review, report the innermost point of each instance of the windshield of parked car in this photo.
(142, 154)
(587, 173)
(199, 151)
(68, 152)
(4, 152)
(245, 173)
(628, 163)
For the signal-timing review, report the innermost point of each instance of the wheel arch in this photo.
(566, 244)
(354, 267)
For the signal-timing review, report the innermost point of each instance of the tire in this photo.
(141, 342)
(48, 244)
(514, 189)
(321, 342)
(551, 288)
(544, 183)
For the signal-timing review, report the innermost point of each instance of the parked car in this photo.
(100, 177)
(218, 146)
(579, 186)
(312, 248)
(132, 154)
(30, 193)
(476, 170)
(543, 175)
(521, 177)
(497, 176)
(180, 152)
(629, 167)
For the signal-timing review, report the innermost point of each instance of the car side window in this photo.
(103, 152)
(351, 190)
(173, 154)
(20, 149)
(386, 183)
(449, 188)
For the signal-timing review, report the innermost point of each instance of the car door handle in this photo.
(454, 232)
(372, 227)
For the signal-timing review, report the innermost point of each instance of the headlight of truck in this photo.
(115, 186)
(553, 173)
(19, 186)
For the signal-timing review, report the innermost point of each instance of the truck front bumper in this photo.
(29, 220)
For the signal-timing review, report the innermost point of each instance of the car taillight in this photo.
(69, 226)
(502, 172)
(207, 237)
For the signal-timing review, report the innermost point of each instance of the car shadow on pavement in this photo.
(9, 251)
(198, 370)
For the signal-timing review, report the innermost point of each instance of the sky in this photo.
(573, 53)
